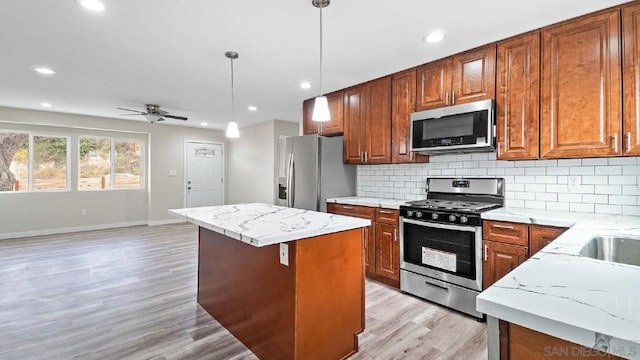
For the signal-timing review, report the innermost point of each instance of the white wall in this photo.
(24, 214)
(604, 185)
(252, 162)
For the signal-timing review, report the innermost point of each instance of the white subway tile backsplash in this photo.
(622, 180)
(605, 185)
(608, 170)
(581, 207)
(581, 170)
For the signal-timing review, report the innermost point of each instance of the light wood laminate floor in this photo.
(130, 293)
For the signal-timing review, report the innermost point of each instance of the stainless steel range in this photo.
(441, 241)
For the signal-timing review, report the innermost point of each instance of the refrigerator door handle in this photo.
(292, 180)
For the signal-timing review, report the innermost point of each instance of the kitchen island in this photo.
(288, 283)
(559, 300)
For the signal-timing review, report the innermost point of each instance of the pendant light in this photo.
(321, 105)
(232, 126)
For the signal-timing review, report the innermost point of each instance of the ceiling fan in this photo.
(153, 113)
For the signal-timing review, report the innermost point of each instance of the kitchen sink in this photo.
(624, 249)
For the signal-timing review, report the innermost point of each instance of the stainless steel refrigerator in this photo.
(311, 171)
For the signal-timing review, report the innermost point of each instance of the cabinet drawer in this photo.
(351, 210)
(387, 216)
(506, 232)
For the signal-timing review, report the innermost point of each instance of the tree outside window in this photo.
(14, 161)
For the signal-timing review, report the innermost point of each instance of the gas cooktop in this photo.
(453, 205)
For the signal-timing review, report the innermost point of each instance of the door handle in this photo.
(292, 189)
(446, 98)
(366, 157)
(486, 252)
(628, 141)
(615, 143)
(289, 176)
(395, 234)
(453, 98)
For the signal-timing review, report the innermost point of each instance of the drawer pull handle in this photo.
(498, 226)
(347, 207)
(436, 286)
(385, 212)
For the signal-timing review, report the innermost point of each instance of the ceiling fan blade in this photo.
(134, 114)
(137, 111)
(160, 119)
(176, 117)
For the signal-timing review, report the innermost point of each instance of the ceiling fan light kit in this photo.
(232, 126)
(153, 113)
(321, 105)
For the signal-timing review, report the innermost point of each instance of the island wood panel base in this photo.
(311, 309)
(517, 342)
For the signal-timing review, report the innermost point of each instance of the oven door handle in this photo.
(440, 226)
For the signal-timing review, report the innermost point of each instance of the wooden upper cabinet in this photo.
(330, 128)
(631, 80)
(459, 79)
(403, 103)
(581, 87)
(308, 126)
(367, 122)
(378, 122)
(473, 76)
(518, 97)
(354, 129)
(434, 84)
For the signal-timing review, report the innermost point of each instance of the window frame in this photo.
(33, 134)
(112, 160)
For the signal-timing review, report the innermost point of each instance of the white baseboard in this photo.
(165, 222)
(69, 230)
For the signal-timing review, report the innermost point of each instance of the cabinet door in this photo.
(541, 236)
(308, 126)
(474, 75)
(518, 100)
(378, 122)
(499, 260)
(403, 103)
(333, 127)
(581, 96)
(387, 251)
(354, 130)
(631, 81)
(434, 84)
(369, 249)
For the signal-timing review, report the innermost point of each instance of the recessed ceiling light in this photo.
(305, 85)
(46, 104)
(203, 124)
(44, 70)
(252, 108)
(434, 36)
(93, 5)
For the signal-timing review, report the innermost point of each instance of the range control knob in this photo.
(434, 216)
(464, 219)
(418, 214)
(409, 212)
(452, 218)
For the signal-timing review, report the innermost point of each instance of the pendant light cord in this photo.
(321, 6)
(232, 97)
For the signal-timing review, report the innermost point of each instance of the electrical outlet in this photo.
(284, 254)
(573, 182)
(83, 212)
(173, 173)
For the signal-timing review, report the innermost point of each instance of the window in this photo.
(106, 164)
(33, 162)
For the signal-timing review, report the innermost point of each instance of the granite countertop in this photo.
(368, 201)
(566, 295)
(264, 224)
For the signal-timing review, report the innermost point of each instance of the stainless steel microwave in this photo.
(454, 129)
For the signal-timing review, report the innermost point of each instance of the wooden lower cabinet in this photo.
(380, 240)
(499, 260)
(541, 236)
(517, 342)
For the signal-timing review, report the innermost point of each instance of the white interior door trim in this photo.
(184, 170)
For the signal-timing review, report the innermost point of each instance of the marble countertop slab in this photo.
(368, 201)
(264, 224)
(564, 294)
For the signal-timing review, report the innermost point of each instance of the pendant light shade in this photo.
(321, 106)
(321, 110)
(232, 130)
(232, 127)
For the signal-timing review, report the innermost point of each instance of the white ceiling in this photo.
(171, 53)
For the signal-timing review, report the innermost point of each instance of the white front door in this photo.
(203, 176)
